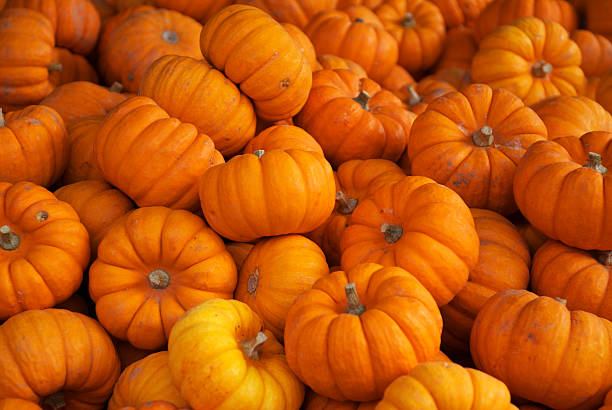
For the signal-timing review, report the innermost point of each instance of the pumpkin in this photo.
(443, 385)
(18, 404)
(115, 20)
(579, 277)
(353, 118)
(532, 58)
(122, 5)
(371, 4)
(98, 206)
(314, 401)
(153, 405)
(502, 12)
(355, 179)
(564, 192)
(438, 243)
(283, 137)
(141, 38)
(458, 13)
(76, 23)
(221, 356)
(332, 62)
(457, 77)
(472, 141)
(239, 252)
(153, 158)
(532, 237)
(564, 350)
(418, 27)
(105, 9)
(503, 263)
(27, 42)
(572, 116)
(607, 402)
(43, 249)
(81, 99)
(81, 164)
(146, 380)
(598, 17)
(76, 364)
(304, 44)
(34, 145)
(596, 52)
(275, 273)
(194, 92)
(397, 80)
(459, 49)
(268, 194)
(152, 266)
(199, 10)
(418, 96)
(277, 76)
(73, 67)
(297, 12)
(362, 328)
(603, 94)
(357, 34)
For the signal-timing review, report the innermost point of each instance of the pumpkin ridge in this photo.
(453, 172)
(305, 179)
(87, 330)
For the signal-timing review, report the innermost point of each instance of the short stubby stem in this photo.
(562, 301)
(408, 20)
(2, 122)
(413, 96)
(605, 258)
(54, 401)
(392, 233)
(170, 37)
(363, 99)
(9, 240)
(159, 279)
(541, 69)
(55, 66)
(596, 163)
(251, 347)
(346, 205)
(483, 137)
(352, 299)
(117, 87)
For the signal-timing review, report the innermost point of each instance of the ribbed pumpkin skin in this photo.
(211, 369)
(314, 401)
(153, 158)
(569, 351)
(566, 116)
(140, 39)
(152, 266)
(81, 99)
(153, 405)
(354, 357)
(26, 44)
(596, 52)
(76, 23)
(532, 237)
(501, 12)
(74, 355)
(503, 263)
(303, 43)
(459, 49)
(332, 62)
(443, 385)
(268, 67)
(34, 145)
(598, 17)
(438, 243)
(397, 79)
(511, 58)
(239, 251)
(350, 129)
(563, 198)
(418, 96)
(603, 95)
(194, 92)
(447, 144)
(298, 12)
(574, 275)
(82, 163)
(18, 404)
(117, 19)
(459, 13)
(357, 34)
(144, 381)
(199, 10)
(275, 273)
(98, 206)
(251, 207)
(75, 67)
(283, 137)
(420, 44)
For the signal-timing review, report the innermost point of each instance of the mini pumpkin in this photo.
(397, 79)
(18, 404)
(332, 62)
(304, 44)
(298, 12)
(283, 137)
(152, 266)
(598, 17)
(603, 94)
(154, 405)
(596, 52)
(82, 164)
(532, 237)
(459, 13)
(418, 96)
(314, 401)
(459, 49)
(71, 67)
(239, 252)
(199, 10)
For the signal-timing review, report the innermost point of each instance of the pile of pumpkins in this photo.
(315, 204)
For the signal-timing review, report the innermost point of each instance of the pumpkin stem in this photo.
(55, 66)
(159, 279)
(413, 97)
(408, 20)
(251, 347)
(363, 98)
(117, 87)
(393, 233)
(561, 300)
(595, 163)
(605, 258)
(347, 205)
(2, 123)
(541, 68)
(253, 281)
(9, 240)
(354, 305)
(259, 153)
(358, 20)
(483, 137)
(170, 37)
(54, 401)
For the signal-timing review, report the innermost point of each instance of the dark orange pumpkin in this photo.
(239, 251)
(72, 67)
(200, 10)
(397, 80)
(599, 17)
(603, 94)
(532, 237)
(596, 52)
(283, 137)
(332, 62)
(458, 13)
(314, 401)
(298, 12)
(459, 49)
(82, 163)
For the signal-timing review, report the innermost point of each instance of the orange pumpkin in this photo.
(438, 244)
(314, 401)
(98, 206)
(277, 76)
(598, 17)
(239, 252)
(371, 4)
(76, 364)
(458, 13)
(564, 350)
(417, 97)
(357, 34)
(154, 405)
(199, 10)
(397, 80)
(18, 404)
(603, 94)
(298, 12)
(596, 52)
(354, 118)
(418, 27)
(82, 164)
(533, 58)
(141, 38)
(532, 237)
(105, 9)
(503, 263)
(354, 332)
(472, 141)
(304, 44)
(115, 20)
(253, 184)
(607, 402)
(332, 62)
(43, 249)
(194, 92)
(152, 266)
(283, 137)
(564, 192)
(459, 49)
(128, 151)
(146, 380)
(72, 67)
